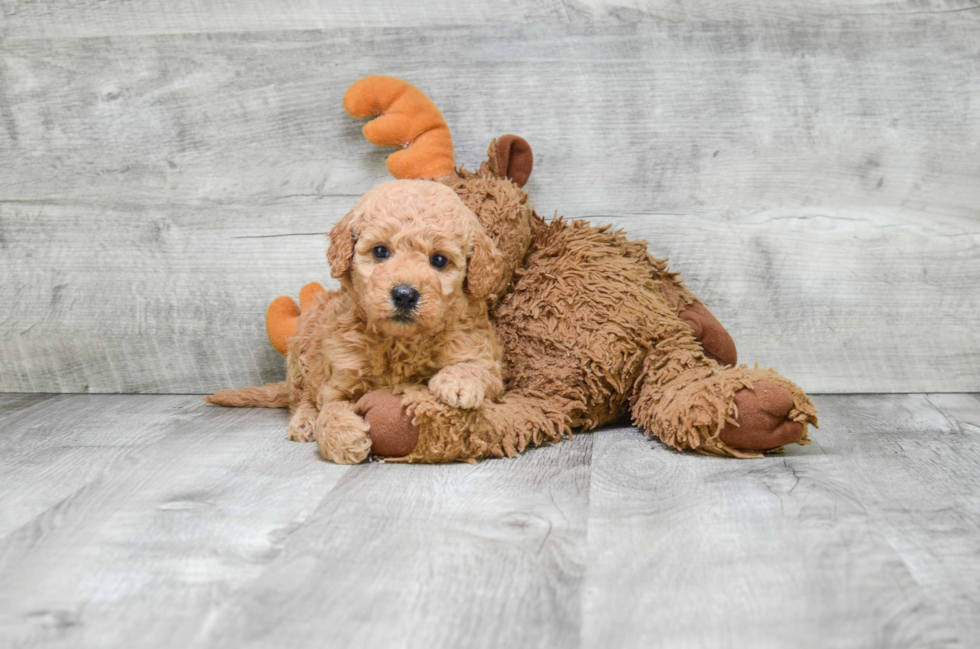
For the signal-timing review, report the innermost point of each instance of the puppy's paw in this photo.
(342, 437)
(302, 425)
(457, 390)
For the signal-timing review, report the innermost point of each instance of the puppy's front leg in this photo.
(342, 434)
(303, 423)
(465, 385)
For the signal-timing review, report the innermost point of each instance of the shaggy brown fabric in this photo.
(592, 327)
(503, 211)
(498, 429)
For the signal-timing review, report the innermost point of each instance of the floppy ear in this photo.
(341, 249)
(484, 268)
(511, 157)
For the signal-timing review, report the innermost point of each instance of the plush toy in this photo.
(592, 326)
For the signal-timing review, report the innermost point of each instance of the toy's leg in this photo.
(416, 427)
(691, 402)
(714, 338)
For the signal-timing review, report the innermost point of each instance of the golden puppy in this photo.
(415, 268)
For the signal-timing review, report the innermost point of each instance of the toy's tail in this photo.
(408, 119)
(270, 395)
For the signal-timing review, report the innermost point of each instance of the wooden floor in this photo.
(159, 521)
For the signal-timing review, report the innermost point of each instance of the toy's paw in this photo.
(392, 432)
(763, 419)
(457, 388)
(342, 436)
(302, 425)
(714, 338)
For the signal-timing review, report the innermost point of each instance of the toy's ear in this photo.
(484, 268)
(341, 249)
(513, 157)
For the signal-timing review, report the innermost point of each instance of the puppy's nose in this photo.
(404, 297)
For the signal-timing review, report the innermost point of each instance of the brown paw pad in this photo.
(392, 432)
(762, 418)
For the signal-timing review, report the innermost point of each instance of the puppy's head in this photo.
(413, 255)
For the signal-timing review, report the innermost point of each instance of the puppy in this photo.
(415, 268)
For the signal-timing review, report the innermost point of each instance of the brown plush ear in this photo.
(484, 269)
(514, 158)
(341, 249)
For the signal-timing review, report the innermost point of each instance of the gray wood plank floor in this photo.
(159, 521)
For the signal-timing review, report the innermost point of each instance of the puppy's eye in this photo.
(380, 252)
(438, 261)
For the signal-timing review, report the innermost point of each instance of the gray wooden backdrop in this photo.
(812, 167)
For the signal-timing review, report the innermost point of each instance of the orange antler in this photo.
(407, 119)
(282, 316)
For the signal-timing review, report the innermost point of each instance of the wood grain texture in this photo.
(778, 553)
(866, 538)
(815, 179)
(165, 505)
(159, 521)
(25, 19)
(922, 490)
(58, 445)
(177, 543)
(429, 556)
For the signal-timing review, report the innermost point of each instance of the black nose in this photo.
(404, 297)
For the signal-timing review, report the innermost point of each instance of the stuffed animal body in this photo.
(592, 327)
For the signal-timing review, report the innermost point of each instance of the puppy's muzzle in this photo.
(404, 298)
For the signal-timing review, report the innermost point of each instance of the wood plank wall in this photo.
(813, 169)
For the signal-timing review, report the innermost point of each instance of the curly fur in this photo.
(355, 340)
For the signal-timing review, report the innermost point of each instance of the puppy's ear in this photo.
(484, 268)
(341, 249)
